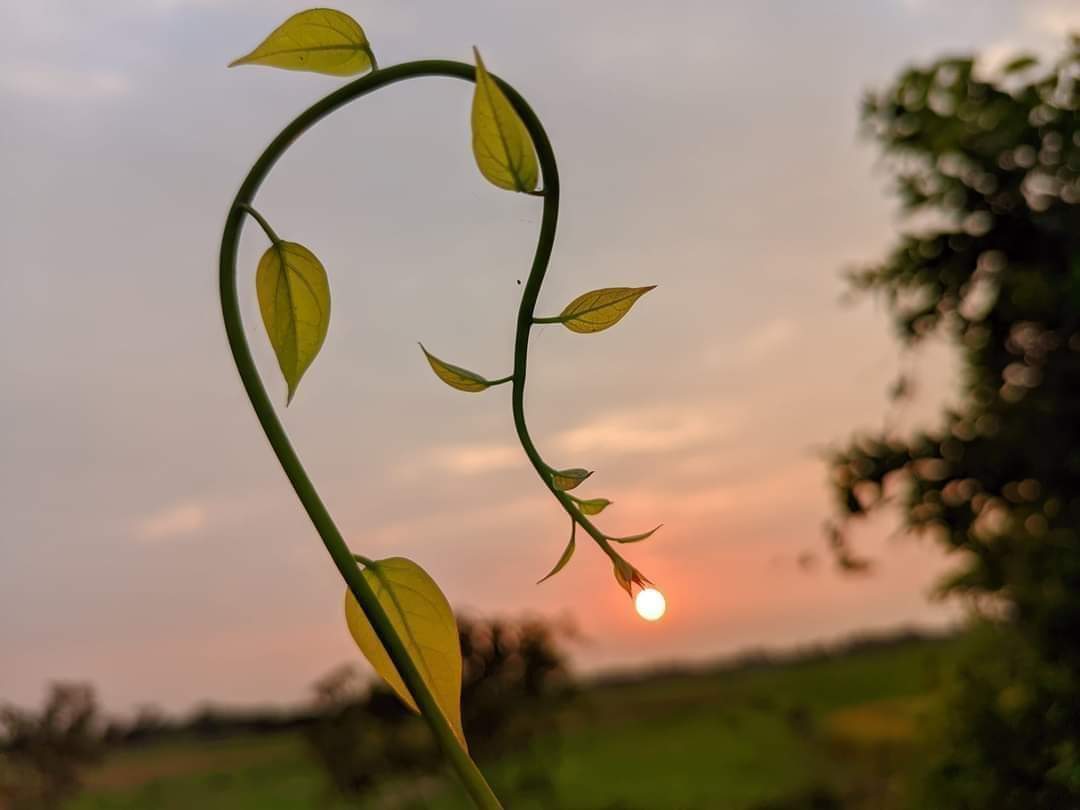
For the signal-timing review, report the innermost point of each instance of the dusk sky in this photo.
(151, 545)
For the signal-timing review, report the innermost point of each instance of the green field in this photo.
(724, 739)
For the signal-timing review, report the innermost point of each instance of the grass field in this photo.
(722, 739)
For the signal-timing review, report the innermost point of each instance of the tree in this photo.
(44, 753)
(515, 676)
(991, 166)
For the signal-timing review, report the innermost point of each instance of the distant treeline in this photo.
(214, 722)
(207, 722)
(761, 658)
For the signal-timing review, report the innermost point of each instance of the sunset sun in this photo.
(650, 604)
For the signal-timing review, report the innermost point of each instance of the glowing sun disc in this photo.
(650, 604)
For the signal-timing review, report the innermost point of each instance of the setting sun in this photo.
(650, 604)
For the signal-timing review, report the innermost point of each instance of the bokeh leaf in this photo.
(593, 506)
(455, 376)
(294, 299)
(425, 623)
(566, 480)
(501, 145)
(566, 555)
(1019, 64)
(636, 538)
(597, 310)
(319, 40)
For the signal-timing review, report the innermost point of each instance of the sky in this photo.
(151, 544)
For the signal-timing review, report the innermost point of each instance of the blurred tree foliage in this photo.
(990, 167)
(41, 754)
(515, 678)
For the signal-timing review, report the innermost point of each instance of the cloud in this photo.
(464, 459)
(647, 430)
(482, 519)
(175, 521)
(48, 82)
(757, 344)
(641, 430)
(768, 338)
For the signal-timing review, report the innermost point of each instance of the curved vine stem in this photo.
(336, 546)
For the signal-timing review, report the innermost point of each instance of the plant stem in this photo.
(466, 769)
(527, 310)
(343, 558)
(273, 237)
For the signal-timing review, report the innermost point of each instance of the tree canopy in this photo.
(989, 169)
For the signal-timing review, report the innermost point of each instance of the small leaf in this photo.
(425, 623)
(294, 299)
(501, 145)
(624, 574)
(319, 40)
(566, 555)
(456, 377)
(627, 576)
(635, 538)
(593, 506)
(566, 480)
(597, 310)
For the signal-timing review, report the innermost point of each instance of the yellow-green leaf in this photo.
(319, 40)
(425, 623)
(597, 310)
(593, 506)
(566, 480)
(501, 145)
(294, 299)
(566, 555)
(636, 538)
(455, 376)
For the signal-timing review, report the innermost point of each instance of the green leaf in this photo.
(635, 538)
(319, 40)
(566, 555)
(1020, 63)
(501, 144)
(294, 299)
(425, 623)
(597, 310)
(593, 506)
(455, 376)
(566, 480)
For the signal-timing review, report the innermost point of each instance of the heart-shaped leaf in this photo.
(319, 40)
(501, 145)
(566, 480)
(566, 555)
(425, 623)
(294, 299)
(457, 377)
(595, 311)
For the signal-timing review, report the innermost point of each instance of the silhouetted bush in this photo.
(515, 675)
(41, 754)
(816, 798)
